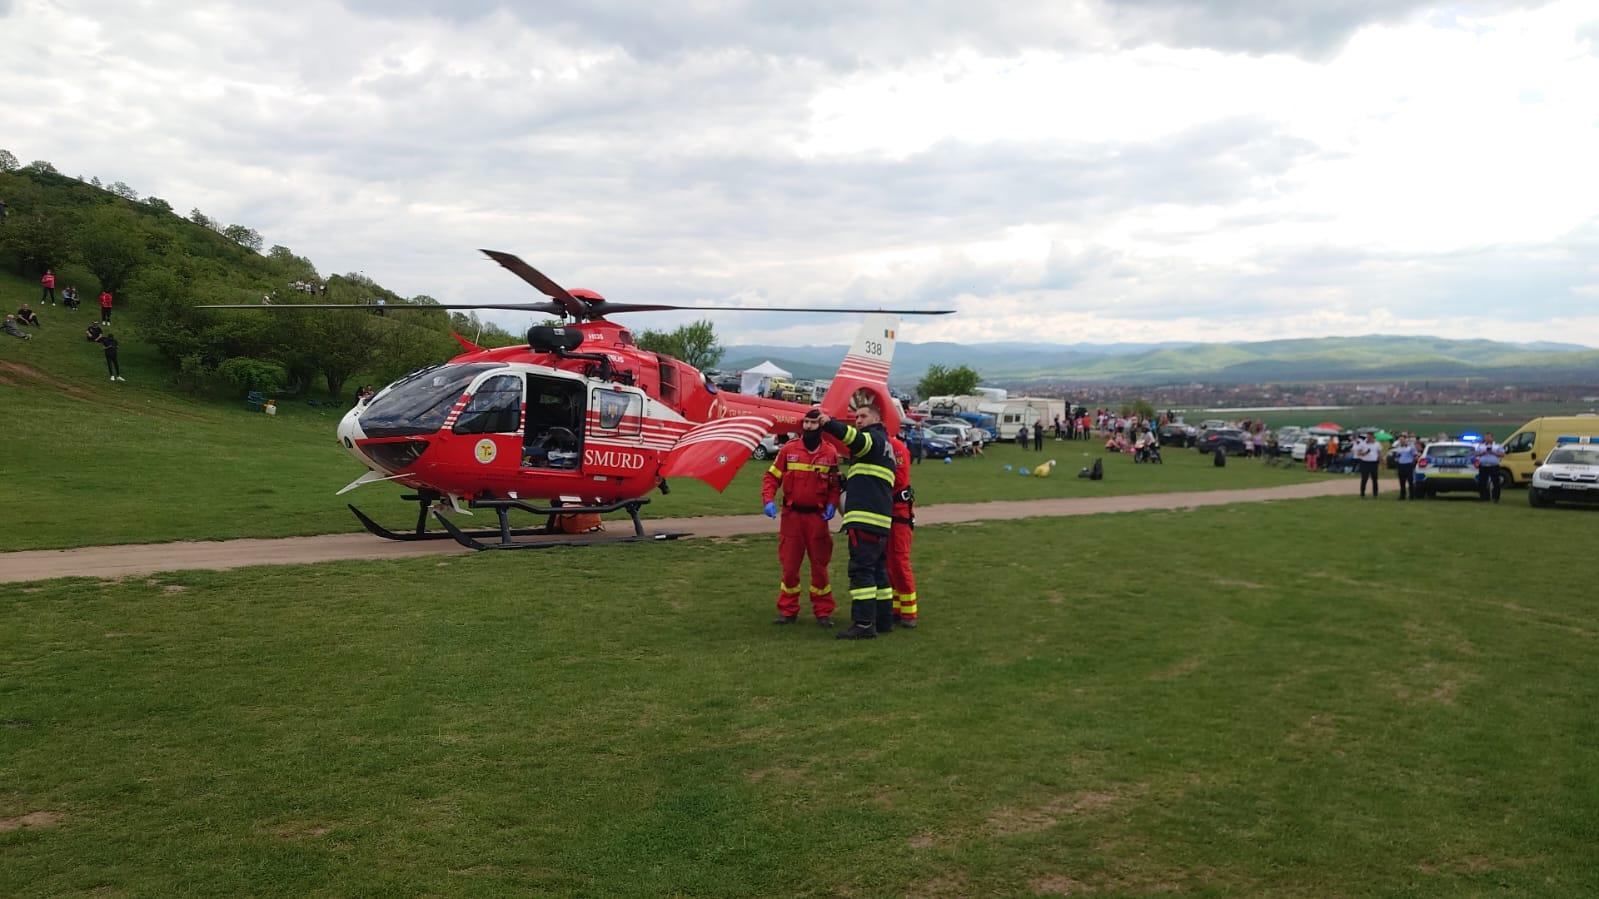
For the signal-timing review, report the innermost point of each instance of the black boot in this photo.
(785, 619)
(863, 615)
(885, 616)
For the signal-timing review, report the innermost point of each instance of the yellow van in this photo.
(1533, 442)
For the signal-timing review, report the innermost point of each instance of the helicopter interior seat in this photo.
(554, 421)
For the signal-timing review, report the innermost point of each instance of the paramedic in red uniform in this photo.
(901, 579)
(806, 469)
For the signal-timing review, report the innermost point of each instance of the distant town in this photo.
(1406, 393)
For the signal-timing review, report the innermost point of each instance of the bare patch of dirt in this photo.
(1055, 598)
(1057, 885)
(174, 588)
(942, 887)
(30, 821)
(1231, 582)
(300, 831)
(922, 841)
(1010, 821)
(113, 635)
(1317, 730)
(1186, 666)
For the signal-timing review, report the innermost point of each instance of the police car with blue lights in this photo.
(1446, 466)
(1569, 474)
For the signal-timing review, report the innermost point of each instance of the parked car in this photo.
(804, 391)
(1178, 434)
(1446, 466)
(964, 438)
(779, 388)
(1232, 441)
(769, 445)
(1569, 474)
(1288, 435)
(932, 445)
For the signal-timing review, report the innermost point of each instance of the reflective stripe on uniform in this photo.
(787, 589)
(820, 591)
(863, 594)
(775, 472)
(885, 593)
(861, 516)
(806, 466)
(905, 603)
(876, 471)
(850, 436)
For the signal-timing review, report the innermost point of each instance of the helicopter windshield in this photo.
(419, 405)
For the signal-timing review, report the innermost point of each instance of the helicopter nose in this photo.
(350, 432)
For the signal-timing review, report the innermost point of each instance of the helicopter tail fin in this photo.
(713, 452)
(865, 368)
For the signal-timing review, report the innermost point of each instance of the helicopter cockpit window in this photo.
(495, 407)
(618, 412)
(553, 435)
(420, 404)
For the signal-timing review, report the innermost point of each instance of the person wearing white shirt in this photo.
(1366, 452)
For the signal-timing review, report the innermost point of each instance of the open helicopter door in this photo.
(865, 367)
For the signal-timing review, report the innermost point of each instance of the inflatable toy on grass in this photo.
(1043, 471)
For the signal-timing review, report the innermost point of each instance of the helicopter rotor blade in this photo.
(610, 306)
(551, 308)
(514, 264)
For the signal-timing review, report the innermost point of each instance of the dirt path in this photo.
(143, 559)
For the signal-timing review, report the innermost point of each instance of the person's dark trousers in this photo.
(1038, 440)
(868, 571)
(49, 294)
(1368, 471)
(1489, 482)
(105, 315)
(112, 367)
(1407, 476)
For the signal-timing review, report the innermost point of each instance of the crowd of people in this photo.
(97, 331)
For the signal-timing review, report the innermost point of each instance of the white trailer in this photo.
(1013, 412)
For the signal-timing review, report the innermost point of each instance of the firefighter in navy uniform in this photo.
(806, 470)
(868, 518)
(901, 579)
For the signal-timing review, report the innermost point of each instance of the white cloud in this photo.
(1092, 170)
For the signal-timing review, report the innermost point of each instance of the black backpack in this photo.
(1221, 458)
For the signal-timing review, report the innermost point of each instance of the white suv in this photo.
(1570, 474)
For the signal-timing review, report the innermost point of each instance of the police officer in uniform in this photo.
(868, 517)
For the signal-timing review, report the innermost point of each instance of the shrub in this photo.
(246, 373)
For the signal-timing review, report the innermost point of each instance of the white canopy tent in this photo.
(752, 378)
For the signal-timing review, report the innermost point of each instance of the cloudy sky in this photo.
(1096, 170)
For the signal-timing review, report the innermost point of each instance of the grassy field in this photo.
(1323, 702)
(90, 462)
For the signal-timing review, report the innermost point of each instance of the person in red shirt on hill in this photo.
(105, 306)
(806, 469)
(901, 579)
(49, 282)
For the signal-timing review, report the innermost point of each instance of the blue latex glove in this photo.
(829, 512)
(770, 509)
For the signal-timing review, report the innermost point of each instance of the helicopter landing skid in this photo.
(502, 508)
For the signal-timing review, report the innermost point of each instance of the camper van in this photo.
(1533, 442)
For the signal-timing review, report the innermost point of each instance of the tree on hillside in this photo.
(8, 162)
(39, 241)
(112, 244)
(694, 343)
(248, 238)
(94, 181)
(158, 204)
(201, 219)
(289, 267)
(480, 332)
(940, 381)
(121, 189)
(41, 167)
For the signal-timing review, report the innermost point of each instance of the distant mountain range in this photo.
(1372, 357)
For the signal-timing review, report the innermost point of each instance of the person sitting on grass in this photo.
(9, 326)
(28, 317)
(93, 332)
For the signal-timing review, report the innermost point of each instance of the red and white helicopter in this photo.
(580, 419)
